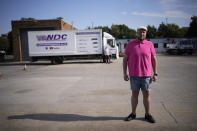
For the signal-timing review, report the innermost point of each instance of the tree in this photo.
(162, 30)
(183, 32)
(104, 29)
(172, 30)
(152, 31)
(131, 34)
(10, 49)
(122, 32)
(59, 18)
(192, 32)
(169, 30)
(115, 31)
(4, 44)
(118, 31)
(29, 18)
(126, 32)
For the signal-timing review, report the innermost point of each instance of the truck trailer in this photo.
(60, 45)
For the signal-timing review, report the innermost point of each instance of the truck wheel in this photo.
(104, 59)
(179, 52)
(53, 61)
(189, 52)
(169, 52)
(33, 59)
(58, 60)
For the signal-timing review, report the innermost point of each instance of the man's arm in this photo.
(154, 65)
(125, 62)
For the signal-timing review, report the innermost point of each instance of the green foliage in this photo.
(183, 32)
(119, 31)
(131, 34)
(104, 28)
(162, 30)
(4, 44)
(168, 31)
(152, 31)
(10, 49)
(172, 30)
(116, 31)
(192, 32)
(29, 19)
(59, 18)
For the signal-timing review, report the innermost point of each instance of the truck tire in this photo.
(179, 52)
(104, 59)
(53, 62)
(33, 59)
(61, 59)
(169, 52)
(56, 60)
(190, 52)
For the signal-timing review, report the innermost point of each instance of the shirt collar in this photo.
(143, 42)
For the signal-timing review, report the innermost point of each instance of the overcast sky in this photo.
(84, 13)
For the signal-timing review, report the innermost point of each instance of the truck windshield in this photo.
(110, 42)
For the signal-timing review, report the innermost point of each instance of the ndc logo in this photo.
(55, 37)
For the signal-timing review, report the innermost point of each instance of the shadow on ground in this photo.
(63, 117)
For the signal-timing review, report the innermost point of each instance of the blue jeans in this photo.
(142, 83)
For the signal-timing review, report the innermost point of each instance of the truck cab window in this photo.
(110, 42)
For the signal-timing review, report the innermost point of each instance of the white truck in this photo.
(58, 45)
(180, 47)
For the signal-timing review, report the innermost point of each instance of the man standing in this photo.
(140, 57)
(106, 52)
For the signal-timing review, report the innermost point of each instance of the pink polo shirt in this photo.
(139, 57)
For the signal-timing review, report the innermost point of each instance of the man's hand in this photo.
(154, 64)
(154, 78)
(125, 59)
(126, 77)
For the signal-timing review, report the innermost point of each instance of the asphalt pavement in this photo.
(86, 95)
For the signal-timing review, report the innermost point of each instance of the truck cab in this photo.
(180, 47)
(109, 40)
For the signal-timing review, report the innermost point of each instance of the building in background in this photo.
(20, 29)
(159, 44)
